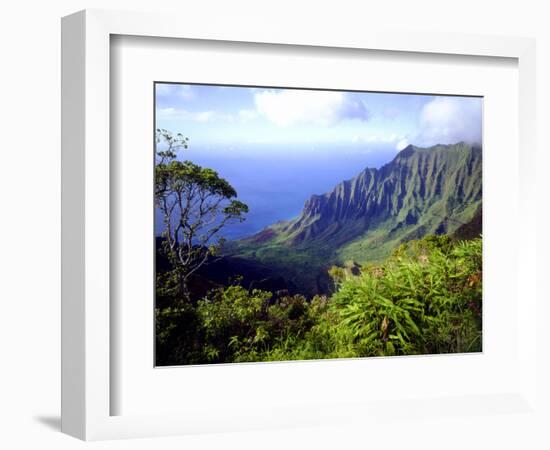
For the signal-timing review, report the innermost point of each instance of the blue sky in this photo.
(272, 120)
(277, 147)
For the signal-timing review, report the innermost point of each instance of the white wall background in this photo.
(30, 199)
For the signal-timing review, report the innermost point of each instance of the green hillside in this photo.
(422, 191)
(426, 298)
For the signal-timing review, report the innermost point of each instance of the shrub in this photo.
(425, 299)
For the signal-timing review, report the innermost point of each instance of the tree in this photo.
(196, 204)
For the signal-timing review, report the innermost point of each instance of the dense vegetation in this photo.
(369, 269)
(425, 298)
(196, 203)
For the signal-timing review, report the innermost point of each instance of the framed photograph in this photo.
(265, 229)
(301, 224)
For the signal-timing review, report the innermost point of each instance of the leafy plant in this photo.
(425, 299)
(195, 203)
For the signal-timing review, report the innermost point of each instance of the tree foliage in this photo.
(195, 203)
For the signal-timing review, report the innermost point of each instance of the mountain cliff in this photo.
(421, 191)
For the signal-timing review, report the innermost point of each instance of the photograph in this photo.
(300, 224)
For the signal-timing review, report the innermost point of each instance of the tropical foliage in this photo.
(425, 298)
(195, 203)
(407, 287)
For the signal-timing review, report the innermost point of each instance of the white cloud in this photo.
(289, 107)
(379, 139)
(204, 116)
(200, 116)
(401, 144)
(247, 114)
(447, 120)
(167, 113)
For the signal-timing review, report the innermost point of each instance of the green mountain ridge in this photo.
(421, 191)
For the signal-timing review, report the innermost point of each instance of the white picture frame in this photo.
(86, 248)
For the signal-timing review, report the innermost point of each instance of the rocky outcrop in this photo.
(427, 185)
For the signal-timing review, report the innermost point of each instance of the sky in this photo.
(249, 117)
(277, 147)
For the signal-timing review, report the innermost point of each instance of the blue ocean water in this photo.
(275, 184)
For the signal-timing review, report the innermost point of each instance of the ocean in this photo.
(275, 184)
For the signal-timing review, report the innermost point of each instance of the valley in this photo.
(422, 191)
